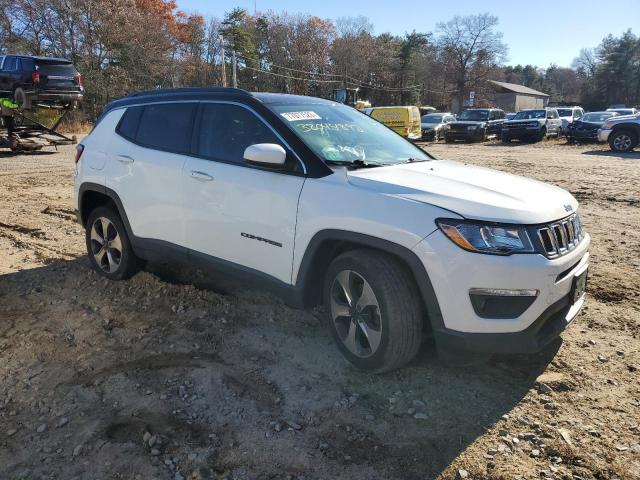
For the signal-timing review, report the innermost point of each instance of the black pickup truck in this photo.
(30, 80)
(476, 124)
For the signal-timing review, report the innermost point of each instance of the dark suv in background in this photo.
(476, 124)
(29, 80)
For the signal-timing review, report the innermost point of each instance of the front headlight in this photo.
(608, 124)
(492, 238)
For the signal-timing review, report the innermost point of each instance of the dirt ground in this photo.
(176, 375)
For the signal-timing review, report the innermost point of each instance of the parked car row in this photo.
(479, 124)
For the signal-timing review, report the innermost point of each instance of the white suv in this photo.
(326, 205)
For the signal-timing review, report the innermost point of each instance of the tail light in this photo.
(35, 77)
(79, 79)
(79, 150)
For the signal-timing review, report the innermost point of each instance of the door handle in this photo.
(124, 158)
(204, 177)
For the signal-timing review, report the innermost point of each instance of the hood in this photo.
(471, 192)
(431, 126)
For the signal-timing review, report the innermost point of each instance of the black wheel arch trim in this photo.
(406, 255)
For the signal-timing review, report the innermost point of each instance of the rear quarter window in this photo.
(128, 126)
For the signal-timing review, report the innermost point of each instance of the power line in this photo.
(344, 79)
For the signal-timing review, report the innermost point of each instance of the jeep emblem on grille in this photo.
(568, 208)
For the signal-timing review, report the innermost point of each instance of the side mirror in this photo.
(265, 155)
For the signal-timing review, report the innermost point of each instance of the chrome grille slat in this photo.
(561, 237)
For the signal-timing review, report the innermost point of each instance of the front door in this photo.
(236, 212)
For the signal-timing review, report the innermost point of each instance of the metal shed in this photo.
(512, 97)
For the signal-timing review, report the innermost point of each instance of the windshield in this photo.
(597, 117)
(565, 112)
(530, 114)
(342, 135)
(432, 119)
(474, 115)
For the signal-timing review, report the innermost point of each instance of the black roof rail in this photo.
(174, 91)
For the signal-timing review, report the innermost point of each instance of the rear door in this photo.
(233, 211)
(145, 170)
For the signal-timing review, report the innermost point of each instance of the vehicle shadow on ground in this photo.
(609, 153)
(407, 424)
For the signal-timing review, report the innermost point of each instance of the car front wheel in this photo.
(373, 310)
(108, 245)
(623, 141)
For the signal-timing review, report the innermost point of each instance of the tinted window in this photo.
(10, 64)
(227, 130)
(128, 125)
(474, 115)
(166, 127)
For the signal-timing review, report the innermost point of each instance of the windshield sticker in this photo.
(326, 128)
(295, 116)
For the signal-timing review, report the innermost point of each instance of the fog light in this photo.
(501, 302)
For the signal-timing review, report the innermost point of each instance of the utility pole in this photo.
(224, 70)
(234, 73)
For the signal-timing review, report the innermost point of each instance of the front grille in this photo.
(561, 237)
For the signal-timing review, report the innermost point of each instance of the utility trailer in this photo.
(21, 133)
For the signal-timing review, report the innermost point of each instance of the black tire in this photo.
(543, 134)
(22, 99)
(448, 139)
(505, 139)
(623, 140)
(399, 316)
(128, 264)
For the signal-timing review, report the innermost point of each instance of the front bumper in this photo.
(465, 135)
(582, 134)
(454, 272)
(603, 134)
(521, 133)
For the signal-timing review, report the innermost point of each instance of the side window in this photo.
(10, 64)
(227, 130)
(166, 127)
(128, 125)
(1, 61)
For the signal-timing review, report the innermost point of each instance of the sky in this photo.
(538, 32)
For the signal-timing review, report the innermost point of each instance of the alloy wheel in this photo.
(622, 142)
(355, 312)
(106, 245)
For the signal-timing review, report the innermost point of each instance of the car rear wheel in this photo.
(623, 141)
(373, 310)
(108, 245)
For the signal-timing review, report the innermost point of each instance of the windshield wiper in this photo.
(414, 160)
(354, 164)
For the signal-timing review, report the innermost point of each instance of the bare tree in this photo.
(471, 49)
